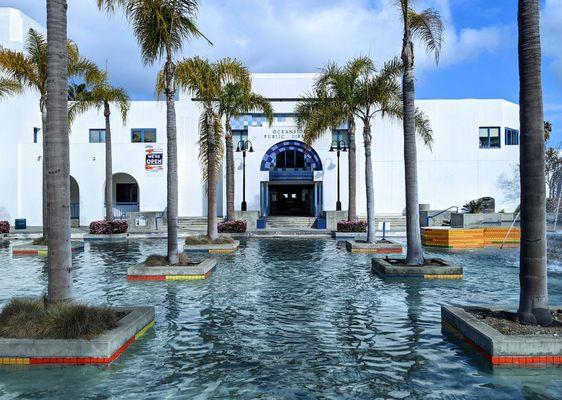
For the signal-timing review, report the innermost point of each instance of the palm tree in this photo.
(334, 102)
(57, 153)
(207, 81)
(74, 89)
(374, 92)
(161, 27)
(29, 70)
(427, 26)
(236, 99)
(9, 87)
(101, 96)
(533, 298)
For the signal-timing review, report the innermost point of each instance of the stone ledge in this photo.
(117, 237)
(354, 246)
(496, 347)
(445, 270)
(349, 235)
(141, 272)
(214, 248)
(103, 349)
(29, 249)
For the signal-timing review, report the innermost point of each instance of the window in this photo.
(339, 135)
(36, 134)
(143, 135)
(290, 159)
(97, 135)
(490, 138)
(239, 135)
(511, 137)
(126, 193)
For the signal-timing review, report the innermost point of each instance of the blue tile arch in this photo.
(310, 154)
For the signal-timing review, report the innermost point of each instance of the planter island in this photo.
(29, 249)
(379, 247)
(196, 271)
(108, 237)
(102, 349)
(516, 344)
(433, 269)
(222, 245)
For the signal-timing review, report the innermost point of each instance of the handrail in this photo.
(510, 228)
(442, 212)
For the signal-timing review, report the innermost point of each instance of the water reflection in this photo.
(284, 318)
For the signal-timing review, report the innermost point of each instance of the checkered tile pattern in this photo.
(311, 157)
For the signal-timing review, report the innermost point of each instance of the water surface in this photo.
(284, 319)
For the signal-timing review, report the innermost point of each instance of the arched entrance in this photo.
(74, 202)
(291, 189)
(125, 195)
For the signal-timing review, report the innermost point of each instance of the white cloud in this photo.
(271, 35)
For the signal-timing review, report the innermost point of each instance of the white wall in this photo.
(453, 172)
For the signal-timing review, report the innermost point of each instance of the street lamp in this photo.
(338, 146)
(243, 146)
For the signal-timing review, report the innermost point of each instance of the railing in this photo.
(120, 210)
(74, 210)
(440, 213)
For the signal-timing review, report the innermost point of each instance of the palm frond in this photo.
(9, 87)
(210, 142)
(428, 27)
(259, 103)
(81, 105)
(16, 66)
(423, 128)
(160, 26)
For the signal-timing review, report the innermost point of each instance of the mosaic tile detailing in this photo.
(445, 276)
(245, 121)
(456, 238)
(75, 360)
(394, 250)
(311, 157)
(503, 360)
(34, 252)
(170, 277)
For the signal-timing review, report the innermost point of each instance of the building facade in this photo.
(476, 145)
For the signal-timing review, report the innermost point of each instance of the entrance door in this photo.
(291, 200)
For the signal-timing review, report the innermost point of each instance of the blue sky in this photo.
(479, 57)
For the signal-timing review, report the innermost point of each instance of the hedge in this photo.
(4, 227)
(108, 227)
(239, 226)
(352, 226)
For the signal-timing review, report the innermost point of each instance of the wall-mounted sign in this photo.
(154, 159)
(284, 133)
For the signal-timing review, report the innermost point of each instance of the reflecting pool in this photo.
(284, 319)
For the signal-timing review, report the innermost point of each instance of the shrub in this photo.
(238, 226)
(4, 227)
(42, 241)
(156, 260)
(108, 227)
(202, 239)
(473, 207)
(32, 319)
(352, 226)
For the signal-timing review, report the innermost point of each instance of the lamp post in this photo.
(243, 146)
(340, 145)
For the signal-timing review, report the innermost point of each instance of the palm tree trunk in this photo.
(230, 184)
(352, 172)
(371, 229)
(57, 155)
(45, 216)
(414, 254)
(108, 165)
(212, 230)
(533, 298)
(172, 175)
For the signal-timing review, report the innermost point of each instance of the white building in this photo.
(475, 142)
